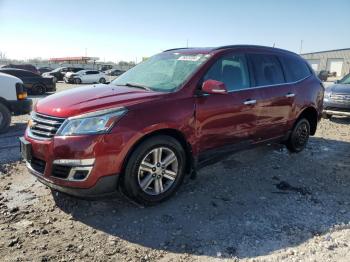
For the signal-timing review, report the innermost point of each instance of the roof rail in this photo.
(176, 49)
(252, 46)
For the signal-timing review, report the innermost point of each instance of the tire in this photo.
(102, 80)
(5, 118)
(328, 116)
(77, 81)
(54, 79)
(39, 90)
(299, 137)
(135, 175)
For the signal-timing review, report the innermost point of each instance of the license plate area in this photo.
(26, 149)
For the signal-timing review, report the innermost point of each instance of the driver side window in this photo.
(231, 70)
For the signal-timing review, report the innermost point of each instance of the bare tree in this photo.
(2, 56)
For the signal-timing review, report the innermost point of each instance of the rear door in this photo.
(91, 76)
(275, 96)
(223, 120)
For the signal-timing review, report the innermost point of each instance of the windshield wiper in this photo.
(138, 86)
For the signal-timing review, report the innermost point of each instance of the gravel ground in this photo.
(263, 204)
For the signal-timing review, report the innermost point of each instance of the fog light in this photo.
(80, 174)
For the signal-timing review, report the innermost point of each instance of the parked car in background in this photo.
(27, 67)
(114, 72)
(168, 116)
(85, 76)
(13, 100)
(44, 69)
(59, 73)
(337, 98)
(105, 67)
(34, 83)
(324, 74)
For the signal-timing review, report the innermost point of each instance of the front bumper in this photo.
(68, 79)
(336, 108)
(20, 107)
(57, 161)
(104, 186)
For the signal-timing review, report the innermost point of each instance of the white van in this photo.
(13, 100)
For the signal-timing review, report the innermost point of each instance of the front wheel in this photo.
(102, 81)
(155, 170)
(299, 136)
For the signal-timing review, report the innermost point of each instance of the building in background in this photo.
(336, 62)
(78, 61)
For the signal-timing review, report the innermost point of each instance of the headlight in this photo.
(327, 95)
(98, 122)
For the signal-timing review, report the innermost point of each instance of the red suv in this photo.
(168, 116)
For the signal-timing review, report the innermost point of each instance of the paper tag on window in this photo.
(189, 58)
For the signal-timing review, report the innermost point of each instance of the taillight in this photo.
(21, 92)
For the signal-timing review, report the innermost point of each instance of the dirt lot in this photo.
(259, 205)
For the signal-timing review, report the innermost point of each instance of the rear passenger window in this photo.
(267, 70)
(91, 72)
(231, 70)
(295, 68)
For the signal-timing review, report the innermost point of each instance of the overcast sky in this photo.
(128, 30)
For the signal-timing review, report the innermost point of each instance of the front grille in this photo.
(61, 171)
(38, 165)
(340, 97)
(44, 126)
(338, 109)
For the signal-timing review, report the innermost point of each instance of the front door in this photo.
(225, 120)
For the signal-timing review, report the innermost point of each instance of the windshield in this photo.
(164, 72)
(57, 69)
(345, 80)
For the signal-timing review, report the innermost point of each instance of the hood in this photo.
(6, 78)
(339, 89)
(85, 99)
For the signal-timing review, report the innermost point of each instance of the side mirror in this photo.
(214, 87)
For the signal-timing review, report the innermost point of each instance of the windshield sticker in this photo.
(189, 58)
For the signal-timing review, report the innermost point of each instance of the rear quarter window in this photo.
(295, 69)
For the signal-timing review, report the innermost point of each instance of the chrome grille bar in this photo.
(44, 126)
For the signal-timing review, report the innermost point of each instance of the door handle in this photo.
(249, 102)
(290, 95)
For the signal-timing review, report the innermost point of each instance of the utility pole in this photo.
(85, 51)
(187, 43)
(301, 47)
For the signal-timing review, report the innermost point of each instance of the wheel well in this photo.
(310, 114)
(169, 132)
(4, 102)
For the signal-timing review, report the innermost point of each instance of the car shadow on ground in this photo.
(340, 120)
(9, 143)
(253, 203)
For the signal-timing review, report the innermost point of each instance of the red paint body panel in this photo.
(207, 122)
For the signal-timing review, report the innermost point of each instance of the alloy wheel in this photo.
(301, 135)
(158, 171)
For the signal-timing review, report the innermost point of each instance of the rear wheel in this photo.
(155, 170)
(77, 81)
(5, 118)
(299, 136)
